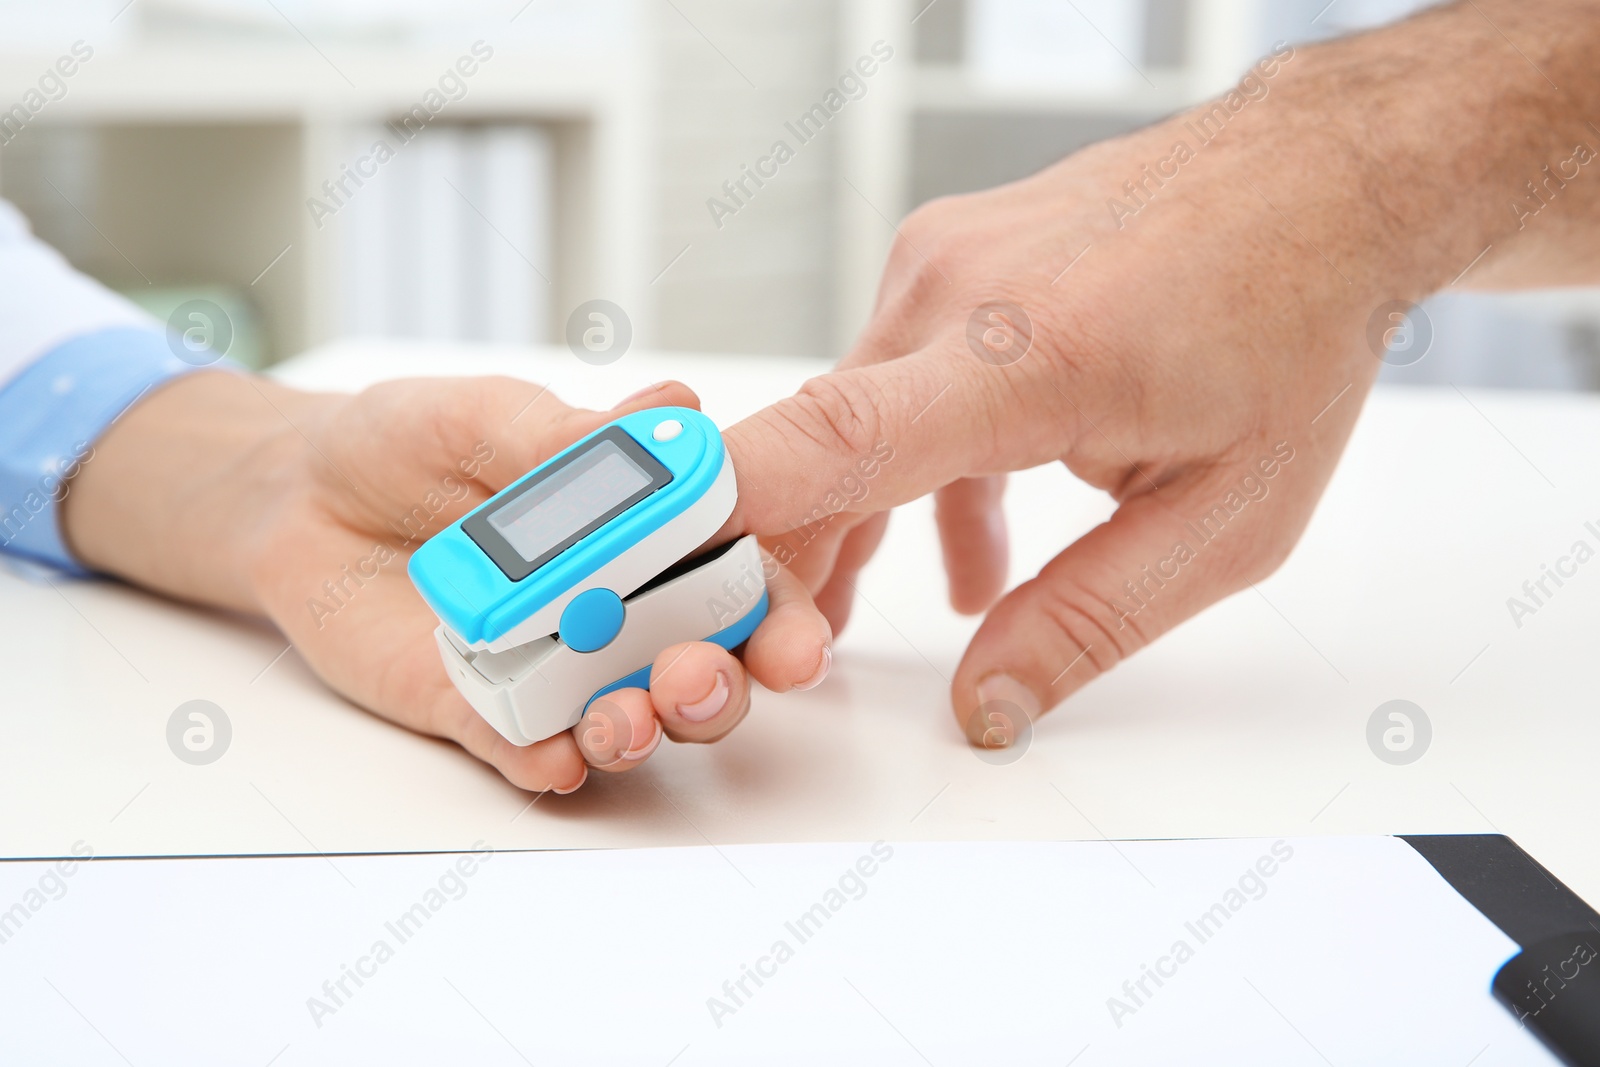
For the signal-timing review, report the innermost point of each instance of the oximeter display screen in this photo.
(561, 504)
(565, 503)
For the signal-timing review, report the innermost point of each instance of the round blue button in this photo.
(591, 620)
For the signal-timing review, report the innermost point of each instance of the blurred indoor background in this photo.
(541, 153)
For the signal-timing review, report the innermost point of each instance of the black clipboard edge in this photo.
(1552, 986)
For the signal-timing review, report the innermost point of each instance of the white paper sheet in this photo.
(1350, 951)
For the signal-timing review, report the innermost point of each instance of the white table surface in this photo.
(1249, 720)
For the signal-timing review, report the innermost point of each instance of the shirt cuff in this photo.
(52, 413)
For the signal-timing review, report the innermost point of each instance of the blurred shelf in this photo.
(201, 80)
(207, 151)
(952, 89)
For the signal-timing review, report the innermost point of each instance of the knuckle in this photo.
(531, 769)
(520, 774)
(1089, 623)
(389, 395)
(1263, 558)
(836, 412)
(933, 233)
(929, 221)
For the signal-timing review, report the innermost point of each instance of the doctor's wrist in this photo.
(1428, 147)
(185, 483)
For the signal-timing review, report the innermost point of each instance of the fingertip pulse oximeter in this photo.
(567, 584)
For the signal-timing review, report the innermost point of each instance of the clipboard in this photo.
(1552, 985)
(1343, 950)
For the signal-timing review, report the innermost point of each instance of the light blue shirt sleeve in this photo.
(73, 357)
(52, 413)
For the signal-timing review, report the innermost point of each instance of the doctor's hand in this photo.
(1187, 318)
(236, 491)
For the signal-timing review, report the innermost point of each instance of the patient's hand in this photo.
(236, 491)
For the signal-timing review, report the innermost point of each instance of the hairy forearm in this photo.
(181, 483)
(1470, 136)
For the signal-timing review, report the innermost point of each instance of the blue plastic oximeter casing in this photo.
(485, 608)
(566, 584)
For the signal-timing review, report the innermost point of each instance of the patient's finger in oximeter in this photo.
(566, 584)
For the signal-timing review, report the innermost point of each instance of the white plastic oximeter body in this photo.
(569, 582)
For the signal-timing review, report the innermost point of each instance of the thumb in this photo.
(869, 438)
(1164, 556)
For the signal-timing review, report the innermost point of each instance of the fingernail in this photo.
(649, 390)
(998, 694)
(821, 672)
(575, 786)
(710, 704)
(640, 753)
